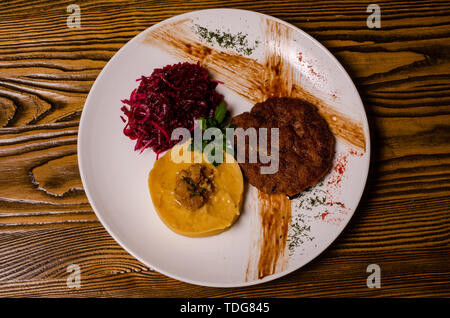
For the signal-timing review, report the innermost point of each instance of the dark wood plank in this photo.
(402, 72)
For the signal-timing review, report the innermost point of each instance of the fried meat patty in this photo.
(306, 145)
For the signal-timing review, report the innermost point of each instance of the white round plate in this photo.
(115, 176)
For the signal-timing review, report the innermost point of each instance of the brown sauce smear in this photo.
(256, 81)
(251, 79)
(275, 215)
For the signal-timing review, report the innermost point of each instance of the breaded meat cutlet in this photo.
(306, 145)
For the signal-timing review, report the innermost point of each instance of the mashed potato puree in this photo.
(220, 211)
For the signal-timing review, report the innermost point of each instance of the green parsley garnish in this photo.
(220, 120)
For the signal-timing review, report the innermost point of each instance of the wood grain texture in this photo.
(402, 72)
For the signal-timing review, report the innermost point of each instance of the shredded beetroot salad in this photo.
(171, 97)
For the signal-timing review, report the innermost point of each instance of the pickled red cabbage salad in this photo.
(171, 97)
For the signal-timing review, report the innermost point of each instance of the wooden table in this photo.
(402, 72)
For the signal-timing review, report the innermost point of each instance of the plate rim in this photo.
(82, 123)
